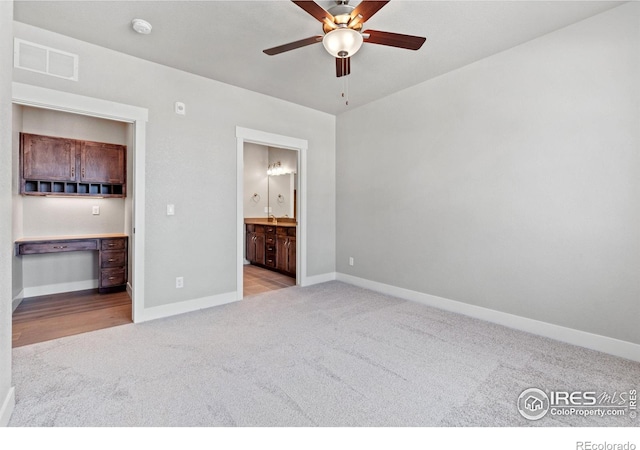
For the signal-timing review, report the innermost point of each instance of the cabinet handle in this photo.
(59, 246)
(83, 172)
(111, 245)
(110, 260)
(73, 171)
(112, 278)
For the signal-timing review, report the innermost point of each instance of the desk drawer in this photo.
(113, 244)
(112, 258)
(112, 277)
(34, 248)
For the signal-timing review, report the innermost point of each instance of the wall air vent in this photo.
(45, 60)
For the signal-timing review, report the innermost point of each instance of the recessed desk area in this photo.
(112, 248)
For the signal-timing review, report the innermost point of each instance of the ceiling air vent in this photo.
(46, 60)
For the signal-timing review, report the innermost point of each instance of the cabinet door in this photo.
(259, 241)
(102, 163)
(255, 248)
(281, 252)
(48, 158)
(291, 255)
(251, 247)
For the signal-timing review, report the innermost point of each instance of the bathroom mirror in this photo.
(270, 181)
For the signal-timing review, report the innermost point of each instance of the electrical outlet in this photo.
(351, 260)
(180, 108)
(179, 282)
(95, 210)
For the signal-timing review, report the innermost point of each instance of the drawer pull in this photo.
(111, 260)
(59, 246)
(112, 278)
(111, 245)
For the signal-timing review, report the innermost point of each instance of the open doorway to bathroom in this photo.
(270, 184)
(280, 205)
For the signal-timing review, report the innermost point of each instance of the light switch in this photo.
(95, 210)
(171, 210)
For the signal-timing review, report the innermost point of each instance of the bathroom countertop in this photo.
(264, 221)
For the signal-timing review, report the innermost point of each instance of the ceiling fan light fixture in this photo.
(342, 42)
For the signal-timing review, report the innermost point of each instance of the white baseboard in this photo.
(7, 407)
(173, 309)
(17, 300)
(592, 341)
(317, 279)
(49, 289)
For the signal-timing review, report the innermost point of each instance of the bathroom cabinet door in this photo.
(255, 248)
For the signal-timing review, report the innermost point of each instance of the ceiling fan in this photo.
(343, 35)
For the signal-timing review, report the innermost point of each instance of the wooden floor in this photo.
(258, 280)
(39, 319)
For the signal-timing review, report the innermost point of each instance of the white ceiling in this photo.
(223, 40)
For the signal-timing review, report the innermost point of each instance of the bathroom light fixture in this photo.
(342, 42)
(275, 169)
(141, 26)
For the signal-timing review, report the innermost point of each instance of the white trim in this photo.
(48, 289)
(272, 140)
(592, 341)
(17, 300)
(35, 96)
(172, 309)
(317, 279)
(7, 407)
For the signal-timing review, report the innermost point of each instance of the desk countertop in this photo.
(70, 237)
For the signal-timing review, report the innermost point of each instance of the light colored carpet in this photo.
(326, 355)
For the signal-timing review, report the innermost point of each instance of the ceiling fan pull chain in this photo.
(345, 89)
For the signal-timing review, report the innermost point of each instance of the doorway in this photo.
(47, 99)
(299, 146)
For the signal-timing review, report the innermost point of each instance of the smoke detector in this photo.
(141, 26)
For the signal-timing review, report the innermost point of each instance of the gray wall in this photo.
(191, 162)
(6, 241)
(512, 183)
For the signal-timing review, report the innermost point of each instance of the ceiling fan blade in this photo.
(316, 11)
(394, 39)
(343, 67)
(293, 45)
(365, 10)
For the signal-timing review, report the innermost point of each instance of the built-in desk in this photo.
(112, 250)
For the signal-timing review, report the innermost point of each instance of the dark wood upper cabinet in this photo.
(61, 166)
(48, 158)
(102, 163)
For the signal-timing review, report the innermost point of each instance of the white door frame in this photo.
(38, 97)
(272, 140)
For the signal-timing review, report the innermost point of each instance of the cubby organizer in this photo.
(62, 188)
